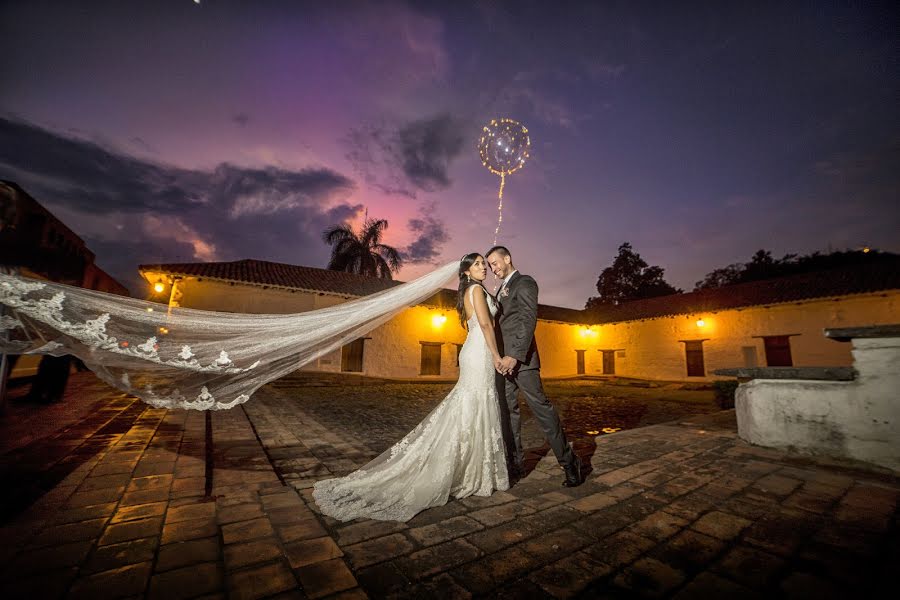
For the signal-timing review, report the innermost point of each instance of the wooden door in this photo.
(693, 354)
(609, 362)
(431, 358)
(352, 356)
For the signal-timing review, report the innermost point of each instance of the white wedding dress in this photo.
(456, 451)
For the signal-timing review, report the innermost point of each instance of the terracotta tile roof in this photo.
(822, 284)
(261, 272)
(843, 281)
(564, 315)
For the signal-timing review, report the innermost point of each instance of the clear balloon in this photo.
(504, 146)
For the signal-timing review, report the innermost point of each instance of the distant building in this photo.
(36, 244)
(673, 338)
(39, 245)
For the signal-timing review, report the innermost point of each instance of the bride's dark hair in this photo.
(465, 282)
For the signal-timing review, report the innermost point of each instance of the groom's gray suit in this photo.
(516, 322)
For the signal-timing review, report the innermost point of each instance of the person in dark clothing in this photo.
(50, 382)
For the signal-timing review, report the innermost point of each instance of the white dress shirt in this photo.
(506, 280)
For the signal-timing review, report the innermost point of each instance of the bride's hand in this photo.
(498, 363)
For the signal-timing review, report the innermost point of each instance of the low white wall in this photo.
(854, 419)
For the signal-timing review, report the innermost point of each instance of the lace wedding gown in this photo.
(457, 450)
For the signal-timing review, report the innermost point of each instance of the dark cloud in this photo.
(95, 179)
(241, 119)
(141, 143)
(133, 211)
(425, 149)
(431, 235)
(410, 157)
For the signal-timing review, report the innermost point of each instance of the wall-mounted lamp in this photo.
(438, 321)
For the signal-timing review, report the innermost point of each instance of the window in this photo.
(352, 356)
(580, 361)
(778, 350)
(693, 354)
(609, 362)
(431, 358)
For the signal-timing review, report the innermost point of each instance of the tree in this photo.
(720, 277)
(763, 266)
(629, 278)
(362, 253)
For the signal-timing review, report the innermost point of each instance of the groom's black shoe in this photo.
(573, 473)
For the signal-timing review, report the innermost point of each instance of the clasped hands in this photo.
(505, 365)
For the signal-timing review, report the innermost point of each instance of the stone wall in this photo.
(857, 419)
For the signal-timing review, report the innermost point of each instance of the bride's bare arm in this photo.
(479, 303)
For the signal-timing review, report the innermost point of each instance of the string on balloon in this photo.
(503, 148)
(500, 207)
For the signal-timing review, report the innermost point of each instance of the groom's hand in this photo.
(507, 364)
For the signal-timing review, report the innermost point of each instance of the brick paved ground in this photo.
(124, 500)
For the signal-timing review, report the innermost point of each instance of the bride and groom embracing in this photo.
(459, 449)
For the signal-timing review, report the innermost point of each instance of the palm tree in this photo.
(363, 254)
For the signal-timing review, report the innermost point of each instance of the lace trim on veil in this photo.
(186, 358)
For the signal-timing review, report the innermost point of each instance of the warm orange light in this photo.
(588, 332)
(163, 330)
(158, 287)
(866, 250)
(701, 323)
(438, 320)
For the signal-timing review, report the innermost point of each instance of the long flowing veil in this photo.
(181, 357)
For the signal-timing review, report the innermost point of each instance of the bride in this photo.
(457, 450)
(202, 360)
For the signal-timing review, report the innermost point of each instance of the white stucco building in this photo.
(683, 337)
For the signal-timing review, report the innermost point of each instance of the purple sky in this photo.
(172, 131)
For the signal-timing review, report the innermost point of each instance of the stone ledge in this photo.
(845, 334)
(807, 373)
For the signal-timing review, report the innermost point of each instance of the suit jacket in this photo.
(517, 319)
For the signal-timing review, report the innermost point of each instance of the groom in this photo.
(520, 365)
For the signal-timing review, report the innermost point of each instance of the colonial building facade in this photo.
(683, 337)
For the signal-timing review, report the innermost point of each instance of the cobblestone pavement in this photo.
(586, 407)
(134, 501)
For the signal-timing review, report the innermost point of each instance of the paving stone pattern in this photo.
(117, 506)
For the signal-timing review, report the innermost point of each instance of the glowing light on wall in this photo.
(588, 332)
(159, 287)
(701, 323)
(437, 321)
